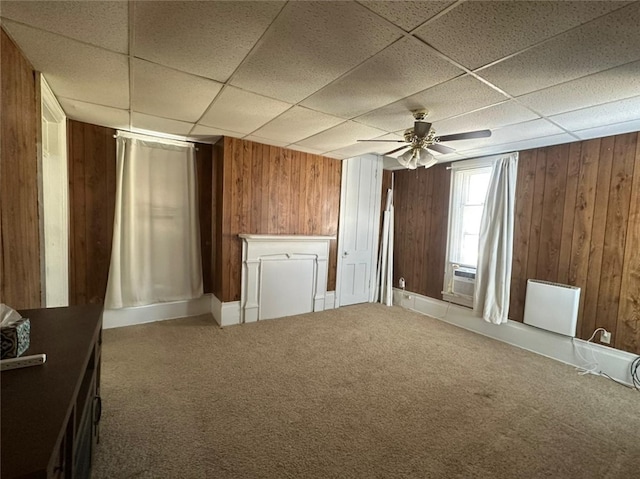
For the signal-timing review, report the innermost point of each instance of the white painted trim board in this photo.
(612, 362)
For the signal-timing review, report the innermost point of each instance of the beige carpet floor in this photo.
(360, 392)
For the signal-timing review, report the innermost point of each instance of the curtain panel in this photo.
(156, 240)
(493, 275)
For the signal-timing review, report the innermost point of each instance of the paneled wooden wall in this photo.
(421, 205)
(92, 189)
(20, 274)
(272, 190)
(578, 223)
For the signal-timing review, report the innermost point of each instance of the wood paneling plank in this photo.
(628, 321)
(592, 289)
(573, 173)
(525, 186)
(536, 216)
(616, 232)
(583, 220)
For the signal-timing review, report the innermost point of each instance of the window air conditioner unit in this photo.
(464, 282)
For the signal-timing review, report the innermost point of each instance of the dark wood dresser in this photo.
(50, 413)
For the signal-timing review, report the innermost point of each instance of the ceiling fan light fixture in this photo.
(415, 157)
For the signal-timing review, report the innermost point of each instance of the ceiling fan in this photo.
(421, 138)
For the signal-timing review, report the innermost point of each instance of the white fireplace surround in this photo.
(283, 275)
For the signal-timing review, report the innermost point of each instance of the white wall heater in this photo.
(552, 306)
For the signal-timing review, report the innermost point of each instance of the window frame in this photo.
(454, 223)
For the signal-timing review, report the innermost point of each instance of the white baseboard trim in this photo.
(330, 300)
(116, 318)
(228, 314)
(225, 314)
(612, 362)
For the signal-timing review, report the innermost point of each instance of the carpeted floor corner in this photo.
(360, 392)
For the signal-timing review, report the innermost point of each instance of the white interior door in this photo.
(359, 226)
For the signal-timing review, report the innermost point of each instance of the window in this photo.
(469, 185)
(469, 191)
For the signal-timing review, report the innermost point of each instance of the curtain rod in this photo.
(160, 138)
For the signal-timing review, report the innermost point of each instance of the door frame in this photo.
(53, 186)
(376, 224)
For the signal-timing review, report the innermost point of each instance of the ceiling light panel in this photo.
(242, 111)
(340, 136)
(296, 124)
(477, 33)
(141, 121)
(407, 15)
(442, 101)
(95, 114)
(75, 70)
(602, 87)
(101, 23)
(311, 44)
(204, 38)
(402, 69)
(608, 42)
(168, 93)
(607, 114)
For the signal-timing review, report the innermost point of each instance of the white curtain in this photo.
(493, 276)
(156, 240)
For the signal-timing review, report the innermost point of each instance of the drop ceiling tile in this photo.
(296, 124)
(101, 23)
(200, 131)
(95, 114)
(609, 130)
(168, 93)
(358, 149)
(304, 149)
(340, 136)
(518, 146)
(610, 85)
(405, 14)
(510, 134)
(496, 116)
(266, 141)
(601, 115)
(309, 45)
(206, 38)
(477, 33)
(242, 111)
(442, 101)
(140, 121)
(404, 68)
(607, 42)
(525, 131)
(75, 70)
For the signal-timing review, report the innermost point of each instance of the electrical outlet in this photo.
(605, 337)
(401, 283)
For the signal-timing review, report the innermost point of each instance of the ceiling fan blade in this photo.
(397, 149)
(421, 128)
(387, 141)
(466, 136)
(441, 148)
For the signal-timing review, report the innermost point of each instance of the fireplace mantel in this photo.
(283, 275)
